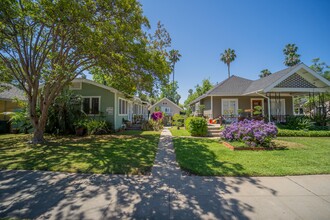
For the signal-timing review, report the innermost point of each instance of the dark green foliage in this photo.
(197, 126)
(302, 133)
(178, 120)
(64, 113)
(298, 122)
(98, 126)
(20, 122)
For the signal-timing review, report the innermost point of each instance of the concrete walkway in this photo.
(166, 194)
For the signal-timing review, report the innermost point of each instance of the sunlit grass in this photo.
(179, 132)
(297, 156)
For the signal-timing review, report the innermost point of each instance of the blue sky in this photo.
(258, 30)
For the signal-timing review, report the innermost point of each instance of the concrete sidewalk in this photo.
(166, 194)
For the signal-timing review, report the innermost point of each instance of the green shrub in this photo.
(298, 122)
(178, 120)
(302, 133)
(197, 126)
(152, 125)
(97, 126)
(187, 122)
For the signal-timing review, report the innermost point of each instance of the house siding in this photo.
(7, 106)
(165, 103)
(107, 99)
(244, 103)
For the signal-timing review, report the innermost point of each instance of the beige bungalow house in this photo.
(8, 94)
(167, 106)
(274, 94)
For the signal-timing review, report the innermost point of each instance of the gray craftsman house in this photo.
(274, 94)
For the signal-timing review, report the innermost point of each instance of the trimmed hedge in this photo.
(302, 133)
(196, 126)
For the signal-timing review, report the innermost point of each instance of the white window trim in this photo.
(283, 105)
(90, 104)
(222, 102)
(79, 88)
(119, 107)
(263, 107)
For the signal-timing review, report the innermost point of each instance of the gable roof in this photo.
(163, 99)
(10, 92)
(238, 86)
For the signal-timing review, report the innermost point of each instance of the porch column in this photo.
(212, 107)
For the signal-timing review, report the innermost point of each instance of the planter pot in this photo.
(80, 131)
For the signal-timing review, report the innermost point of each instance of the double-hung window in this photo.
(122, 107)
(91, 105)
(229, 106)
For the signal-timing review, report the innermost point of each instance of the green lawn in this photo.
(123, 153)
(181, 132)
(305, 155)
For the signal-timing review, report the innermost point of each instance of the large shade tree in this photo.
(227, 57)
(45, 44)
(291, 56)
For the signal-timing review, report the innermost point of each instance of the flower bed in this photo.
(235, 148)
(253, 133)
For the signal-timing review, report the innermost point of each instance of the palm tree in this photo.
(264, 73)
(227, 57)
(291, 56)
(174, 58)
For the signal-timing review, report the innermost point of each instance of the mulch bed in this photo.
(231, 147)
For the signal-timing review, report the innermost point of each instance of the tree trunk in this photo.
(39, 124)
(228, 70)
(38, 135)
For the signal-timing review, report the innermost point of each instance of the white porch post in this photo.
(115, 112)
(212, 107)
(268, 102)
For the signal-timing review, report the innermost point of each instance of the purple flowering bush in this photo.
(156, 116)
(253, 133)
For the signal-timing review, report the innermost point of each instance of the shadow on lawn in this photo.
(29, 194)
(129, 154)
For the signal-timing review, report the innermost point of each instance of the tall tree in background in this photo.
(199, 90)
(227, 57)
(49, 43)
(264, 73)
(174, 57)
(321, 68)
(291, 56)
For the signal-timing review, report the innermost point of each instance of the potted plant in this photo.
(80, 127)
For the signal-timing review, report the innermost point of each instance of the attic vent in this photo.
(75, 86)
(295, 81)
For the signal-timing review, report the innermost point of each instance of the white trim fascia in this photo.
(300, 66)
(161, 101)
(263, 106)
(90, 104)
(298, 90)
(115, 112)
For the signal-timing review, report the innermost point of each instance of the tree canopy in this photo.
(291, 56)
(45, 44)
(264, 73)
(199, 90)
